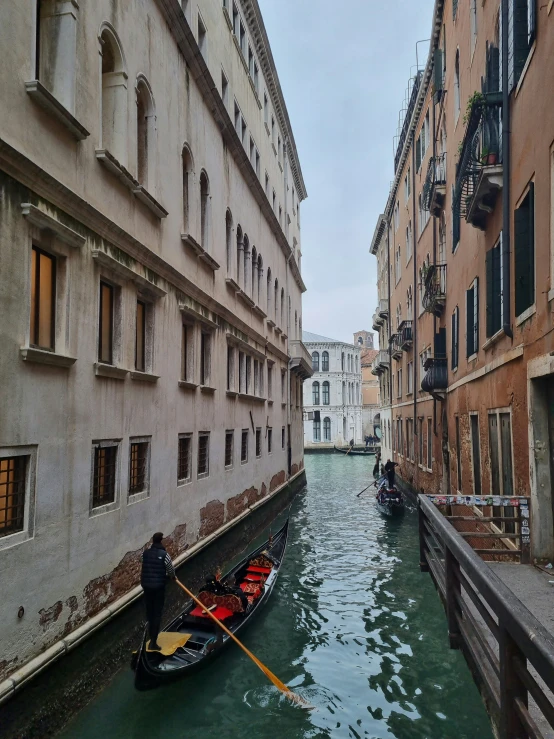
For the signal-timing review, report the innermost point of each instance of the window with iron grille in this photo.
(138, 467)
(229, 439)
(43, 299)
(283, 438)
(104, 474)
(244, 446)
(269, 441)
(258, 442)
(203, 454)
(184, 458)
(13, 472)
(105, 329)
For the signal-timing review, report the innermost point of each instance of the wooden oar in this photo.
(363, 491)
(274, 679)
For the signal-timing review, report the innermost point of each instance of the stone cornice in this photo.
(184, 37)
(44, 185)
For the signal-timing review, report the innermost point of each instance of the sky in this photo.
(344, 68)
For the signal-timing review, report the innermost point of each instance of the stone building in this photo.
(371, 420)
(364, 339)
(150, 292)
(332, 398)
(465, 252)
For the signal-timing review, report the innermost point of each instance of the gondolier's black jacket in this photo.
(156, 567)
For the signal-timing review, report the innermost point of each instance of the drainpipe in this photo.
(506, 220)
(414, 309)
(389, 321)
(289, 395)
(435, 320)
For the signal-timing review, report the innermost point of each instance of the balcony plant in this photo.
(475, 100)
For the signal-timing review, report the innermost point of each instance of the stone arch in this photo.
(113, 71)
(146, 132)
(204, 210)
(187, 164)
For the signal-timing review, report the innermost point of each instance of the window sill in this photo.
(201, 253)
(274, 149)
(241, 54)
(107, 508)
(144, 376)
(46, 222)
(259, 312)
(267, 127)
(526, 315)
(550, 6)
(187, 385)
(271, 323)
(246, 299)
(550, 295)
(228, 18)
(494, 339)
(231, 394)
(137, 497)
(228, 467)
(252, 398)
(280, 166)
(183, 482)
(202, 475)
(472, 357)
(283, 405)
(253, 86)
(41, 356)
(207, 389)
(122, 270)
(270, 402)
(277, 330)
(109, 370)
(142, 194)
(108, 161)
(232, 285)
(43, 97)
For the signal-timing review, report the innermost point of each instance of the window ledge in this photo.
(493, 339)
(278, 330)
(271, 323)
(253, 398)
(41, 356)
(184, 481)
(142, 194)
(228, 18)
(207, 389)
(280, 166)
(46, 222)
(241, 55)
(231, 393)
(144, 376)
(284, 336)
(137, 497)
(121, 269)
(232, 285)
(246, 299)
(106, 508)
(274, 149)
(43, 97)
(108, 370)
(267, 127)
(108, 161)
(472, 357)
(283, 405)
(259, 312)
(202, 475)
(187, 385)
(199, 250)
(526, 315)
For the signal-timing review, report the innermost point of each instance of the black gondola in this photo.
(390, 502)
(205, 639)
(356, 452)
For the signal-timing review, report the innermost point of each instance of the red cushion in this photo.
(263, 570)
(219, 612)
(253, 578)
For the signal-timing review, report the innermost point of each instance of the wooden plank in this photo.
(536, 691)
(489, 535)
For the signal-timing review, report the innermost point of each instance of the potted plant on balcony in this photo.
(488, 156)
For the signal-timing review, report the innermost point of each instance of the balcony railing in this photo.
(300, 359)
(434, 188)
(479, 174)
(434, 295)
(435, 379)
(396, 347)
(380, 363)
(406, 335)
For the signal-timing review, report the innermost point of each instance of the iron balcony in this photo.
(434, 294)
(435, 380)
(380, 363)
(406, 336)
(396, 348)
(434, 188)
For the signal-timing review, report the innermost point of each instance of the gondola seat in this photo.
(226, 605)
(261, 570)
(219, 612)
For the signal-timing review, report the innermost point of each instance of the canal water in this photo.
(352, 626)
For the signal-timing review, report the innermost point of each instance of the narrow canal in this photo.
(352, 626)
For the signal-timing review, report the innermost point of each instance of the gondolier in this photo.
(389, 469)
(157, 567)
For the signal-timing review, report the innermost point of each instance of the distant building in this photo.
(364, 339)
(371, 419)
(332, 397)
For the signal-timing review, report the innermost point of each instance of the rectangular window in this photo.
(283, 385)
(455, 336)
(270, 381)
(203, 469)
(43, 299)
(256, 377)
(257, 163)
(140, 337)
(267, 185)
(187, 353)
(429, 445)
(421, 445)
(472, 316)
(248, 375)
(283, 437)
(242, 373)
(256, 79)
(205, 358)
(238, 117)
(13, 473)
(458, 454)
(274, 201)
(399, 384)
(105, 331)
(235, 20)
(229, 445)
(184, 459)
(230, 368)
(242, 38)
(258, 442)
(273, 131)
(224, 89)
(409, 438)
(244, 447)
(138, 467)
(493, 261)
(269, 441)
(410, 378)
(475, 453)
(250, 61)
(524, 250)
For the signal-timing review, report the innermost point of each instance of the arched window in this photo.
(295, 324)
(187, 164)
(240, 247)
(114, 97)
(204, 211)
(315, 361)
(326, 393)
(327, 429)
(276, 301)
(282, 308)
(259, 289)
(342, 362)
(317, 430)
(254, 273)
(457, 86)
(357, 398)
(356, 365)
(56, 46)
(344, 393)
(268, 289)
(246, 262)
(146, 129)
(315, 393)
(325, 362)
(229, 241)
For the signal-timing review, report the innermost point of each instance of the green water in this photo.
(352, 626)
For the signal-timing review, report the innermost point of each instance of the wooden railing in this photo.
(508, 650)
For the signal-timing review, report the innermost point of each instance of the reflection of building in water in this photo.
(370, 394)
(332, 397)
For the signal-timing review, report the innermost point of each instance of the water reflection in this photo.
(352, 626)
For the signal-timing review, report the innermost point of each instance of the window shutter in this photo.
(531, 21)
(469, 322)
(524, 254)
(531, 246)
(437, 69)
(493, 69)
(489, 309)
(496, 289)
(418, 153)
(510, 49)
(476, 315)
(521, 36)
(454, 355)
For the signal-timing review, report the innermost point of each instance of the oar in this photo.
(274, 679)
(363, 491)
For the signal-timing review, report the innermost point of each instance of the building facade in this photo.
(332, 397)
(371, 419)
(465, 253)
(150, 288)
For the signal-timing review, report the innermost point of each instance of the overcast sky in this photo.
(344, 69)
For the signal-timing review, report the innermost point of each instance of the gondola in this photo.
(192, 640)
(356, 453)
(389, 502)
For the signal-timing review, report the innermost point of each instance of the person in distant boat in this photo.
(377, 463)
(390, 472)
(351, 443)
(157, 567)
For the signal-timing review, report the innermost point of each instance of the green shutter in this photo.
(476, 315)
(437, 69)
(524, 253)
(488, 262)
(521, 40)
(418, 153)
(469, 322)
(497, 288)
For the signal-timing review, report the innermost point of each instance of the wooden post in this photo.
(423, 566)
(452, 590)
(511, 687)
